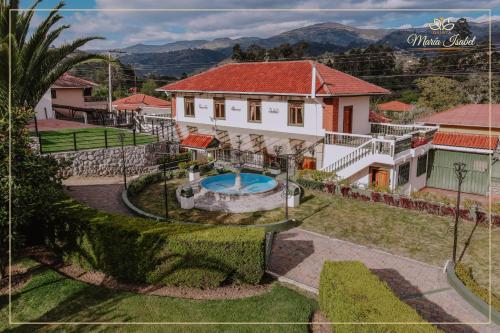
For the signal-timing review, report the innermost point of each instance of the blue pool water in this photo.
(250, 183)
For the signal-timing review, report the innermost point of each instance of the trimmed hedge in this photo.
(350, 292)
(139, 250)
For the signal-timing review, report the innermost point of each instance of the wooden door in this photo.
(347, 119)
(379, 178)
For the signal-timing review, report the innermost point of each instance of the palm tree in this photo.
(35, 63)
(31, 64)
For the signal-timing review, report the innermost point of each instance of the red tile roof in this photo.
(377, 118)
(283, 77)
(395, 106)
(69, 81)
(468, 115)
(140, 100)
(201, 141)
(465, 140)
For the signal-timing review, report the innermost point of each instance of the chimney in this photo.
(313, 81)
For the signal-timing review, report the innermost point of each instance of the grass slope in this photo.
(88, 138)
(51, 297)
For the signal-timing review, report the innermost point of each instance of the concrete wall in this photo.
(108, 162)
(44, 107)
(360, 114)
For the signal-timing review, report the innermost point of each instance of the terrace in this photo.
(387, 141)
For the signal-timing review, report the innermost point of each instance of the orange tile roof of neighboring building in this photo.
(201, 141)
(140, 100)
(468, 115)
(378, 118)
(396, 106)
(69, 81)
(465, 140)
(279, 77)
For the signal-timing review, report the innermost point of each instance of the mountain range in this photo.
(180, 57)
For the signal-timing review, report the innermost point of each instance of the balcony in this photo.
(387, 139)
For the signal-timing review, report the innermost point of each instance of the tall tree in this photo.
(439, 93)
(34, 65)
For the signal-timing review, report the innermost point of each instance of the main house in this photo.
(308, 109)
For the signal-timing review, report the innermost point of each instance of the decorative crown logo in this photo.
(441, 24)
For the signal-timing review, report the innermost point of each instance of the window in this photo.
(422, 165)
(87, 91)
(254, 111)
(295, 113)
(404, 173)
(53, 93)
(189, 106)
(219, 108)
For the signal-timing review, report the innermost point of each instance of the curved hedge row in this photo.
(139, 250)
(350, 292)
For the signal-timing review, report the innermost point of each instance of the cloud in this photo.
(123, 28)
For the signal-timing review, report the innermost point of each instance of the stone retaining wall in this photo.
(108, 161)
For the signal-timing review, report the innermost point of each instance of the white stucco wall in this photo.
(44, 107)
(274, 114)
(360, 114)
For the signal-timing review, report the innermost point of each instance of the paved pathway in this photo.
(299, 255)
(102, 193)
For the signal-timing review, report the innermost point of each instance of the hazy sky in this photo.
(158, 27)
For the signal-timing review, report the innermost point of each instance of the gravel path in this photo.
(299, 255)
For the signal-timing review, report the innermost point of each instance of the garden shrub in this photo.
(310, 184)
(139, 250)
(464, 273)
(315, 175)
(350, 292)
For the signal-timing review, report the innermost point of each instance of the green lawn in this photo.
(51, 297)
(408, 233)
(151, 201)
(88, 138)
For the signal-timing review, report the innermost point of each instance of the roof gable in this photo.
(467, 115)
(284, 78)
(465, 140)
(140, 100)
(395, 106)
(69, 81)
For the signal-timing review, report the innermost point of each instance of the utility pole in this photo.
(110, 87)
(110, 94)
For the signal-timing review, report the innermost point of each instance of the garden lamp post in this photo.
(121, 138)
(165, 188)
(460, 173)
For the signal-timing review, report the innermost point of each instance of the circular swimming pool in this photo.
(251, 183)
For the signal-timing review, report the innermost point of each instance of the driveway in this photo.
(299, 255)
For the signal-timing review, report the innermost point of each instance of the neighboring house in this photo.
(67, 91)
(394, 106)
(467, 118)
(464, 136)
(143, 105)
(307, 109)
